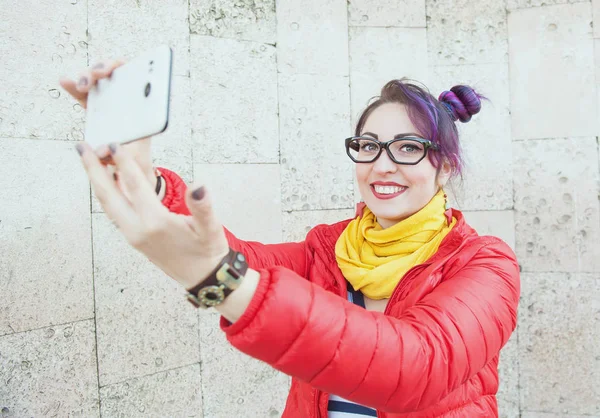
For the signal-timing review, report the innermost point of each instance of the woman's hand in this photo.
(187, 248)
(139, 149)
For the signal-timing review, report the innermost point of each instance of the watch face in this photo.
(211, 295)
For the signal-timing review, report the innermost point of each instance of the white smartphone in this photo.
(133, 103)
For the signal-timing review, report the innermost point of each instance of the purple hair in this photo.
(434, 119)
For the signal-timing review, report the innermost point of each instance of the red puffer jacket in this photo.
(433, 353)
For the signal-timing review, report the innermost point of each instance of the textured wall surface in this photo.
(263, 94)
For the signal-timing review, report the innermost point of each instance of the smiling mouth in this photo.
(387, 192)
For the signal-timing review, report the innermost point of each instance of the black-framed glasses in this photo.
(406, 150)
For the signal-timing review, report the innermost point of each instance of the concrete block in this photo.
(559, 329)
(249, 387)
(466, 32)
(173, 393)
(234, 101)
(243, 20)
(535, 414)
(172, 149)
(312, 37)
(297, 224)
(524, 4)
(557, 219)
(316, 172)
(485, 139)
(126, 29)
(45, 241)
(40, 42)
(561, 102)
(49, 372)
(596, 18)
(508, 370)
(378, 55)
(246, 198)
(500, 224)
(386, 13)
(144, 324)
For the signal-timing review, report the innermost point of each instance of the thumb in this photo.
(200, 206)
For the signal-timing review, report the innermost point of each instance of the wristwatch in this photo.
(223, 280)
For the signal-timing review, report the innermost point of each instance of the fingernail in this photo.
(198, 194)
(79, 149)
(98, 66)
(83, 81)
(115, 176)
(113, 148)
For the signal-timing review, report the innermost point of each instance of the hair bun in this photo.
(462, 102)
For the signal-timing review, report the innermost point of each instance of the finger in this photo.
(104, 69)
(103, 153)
(200, 206)
(111, 199)
(71, 87)
(139, 190)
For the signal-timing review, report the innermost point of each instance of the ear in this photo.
(444, 173)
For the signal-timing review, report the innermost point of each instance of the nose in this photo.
(384, 164)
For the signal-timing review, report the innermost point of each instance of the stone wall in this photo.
(263, 96)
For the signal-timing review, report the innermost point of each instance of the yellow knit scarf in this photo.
(374, 259)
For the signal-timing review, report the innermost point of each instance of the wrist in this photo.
(234, 306)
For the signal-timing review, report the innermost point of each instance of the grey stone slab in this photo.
(49, 372)
(296, 224)
(246, 198)
(234, 101)
(144, 323)
(596, 19)
(386, 13)
(39, 42)
(508, 373)
(485, 140)
(316, 172)
(466, 32)
(172, 149)
(128, 28)
(173, 393)
(500, 224)
(557, 37)
(312, 37)
(378, 55)
(524, 4)
(250, 20)
(251, 388)
(559, 330)
(535, 414)
(45, 240)
(556, 205)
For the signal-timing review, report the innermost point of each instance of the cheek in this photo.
(362, 173)
(420, 175)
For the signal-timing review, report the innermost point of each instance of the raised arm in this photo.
(292, 256)
(395, 364)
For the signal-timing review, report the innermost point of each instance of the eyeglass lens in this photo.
(404, 151)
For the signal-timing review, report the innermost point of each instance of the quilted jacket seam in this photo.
(312, 304)
(370, 361)
(336, 348)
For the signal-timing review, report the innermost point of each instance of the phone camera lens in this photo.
(147, 90)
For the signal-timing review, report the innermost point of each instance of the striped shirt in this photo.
(339, 407)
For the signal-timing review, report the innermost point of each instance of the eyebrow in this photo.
(374, 135)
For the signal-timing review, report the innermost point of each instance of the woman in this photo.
(400, 312)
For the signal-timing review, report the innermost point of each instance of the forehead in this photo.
(389, 120)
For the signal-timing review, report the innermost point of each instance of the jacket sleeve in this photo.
(394, 364)
(292, 255)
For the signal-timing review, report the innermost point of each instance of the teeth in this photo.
(388, 189)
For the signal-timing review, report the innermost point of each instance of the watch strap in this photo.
(223, 280)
